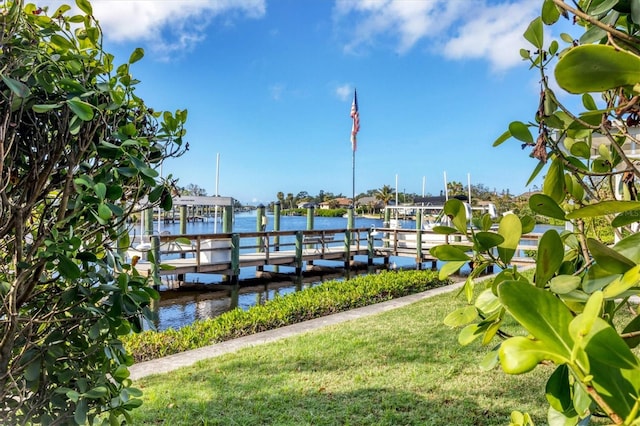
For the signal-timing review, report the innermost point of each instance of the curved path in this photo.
(187, 358)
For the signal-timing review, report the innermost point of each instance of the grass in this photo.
(401, 367)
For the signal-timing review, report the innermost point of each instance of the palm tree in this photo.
(385, 194)
(290, 200)
(280, 196)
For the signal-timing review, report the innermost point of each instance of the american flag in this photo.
(355, 115)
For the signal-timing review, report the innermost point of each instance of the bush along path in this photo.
(326, 299)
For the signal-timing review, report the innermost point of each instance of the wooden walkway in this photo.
(226, 254)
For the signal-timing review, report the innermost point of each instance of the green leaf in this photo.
(528, 224)
(101, 190)
(588, 102)
(487, 302)
(469, 334)
(85, 6)
(450, 268)
(630, 279)
(596, 68)
(83, 110)
(510, 229)
(447, 230)
(68, 268)
(543, 315)
(632, 327)
(461, 316)
(550, 13)
(618, 387)
(550, 256)
(456, 211)
(449, 252)
(488, 240)
(553, 184)
(45, 108)
(558, 390)
(503, 137)
(104, 211)
(520, 355)
(546, 206)
(563, 284)
(121, 373)
(32, 371)
(602, 7)
(629, 247)
(626, 218)
(604, 208)
(520, 131)
(604, 344)
(534, 34)
(608, 258)
(17, 87)
(136, 55)
(80, 415)
(96, 393)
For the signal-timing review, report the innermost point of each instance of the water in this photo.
(211, 298)
(205, 296)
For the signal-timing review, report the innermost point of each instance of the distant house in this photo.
(370, 202)
(336, 203)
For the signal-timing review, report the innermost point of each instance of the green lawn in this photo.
(402, 367)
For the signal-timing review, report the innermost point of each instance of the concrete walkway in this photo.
(184, 359)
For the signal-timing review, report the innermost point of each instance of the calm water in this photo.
(181, 307)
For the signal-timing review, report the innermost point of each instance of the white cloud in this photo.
(455, 29)
(344, 91)
(167, 26)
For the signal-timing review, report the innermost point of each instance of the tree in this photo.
(280, 197)
(455, 188)
(290, 200)
(385, 194)
(79, 154)
(570, 308)
(193, 190)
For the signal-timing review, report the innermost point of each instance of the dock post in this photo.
(309, 226)
(261, 226)
(298, 261)
(227, 225)
(387, 218)
(419, 240)
(155, 265)
(227, 219)
(370, 252)
(183, 219)
(348, 236)
(235, 259)
(276, 227)
(276, 224)
(148, 221)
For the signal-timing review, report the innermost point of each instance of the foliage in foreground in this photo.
(572, 305)
(79, 151)
(325, 299)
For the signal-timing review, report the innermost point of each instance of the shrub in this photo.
(324, 299)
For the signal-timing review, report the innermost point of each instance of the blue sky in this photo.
(269, 84)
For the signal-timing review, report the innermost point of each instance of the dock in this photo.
(226, 253)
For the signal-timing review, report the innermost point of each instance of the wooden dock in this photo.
(225, 254)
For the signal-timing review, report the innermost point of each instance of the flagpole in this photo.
(353, 178)
(355, 116)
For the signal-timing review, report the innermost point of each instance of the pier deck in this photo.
(225, 254)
